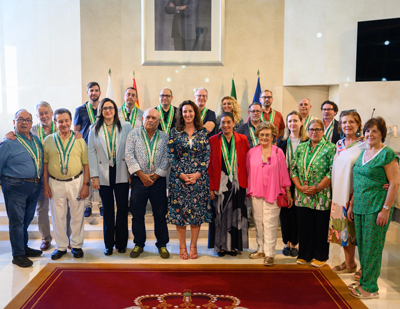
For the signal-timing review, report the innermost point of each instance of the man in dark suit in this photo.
(329, 110)
(184, 23)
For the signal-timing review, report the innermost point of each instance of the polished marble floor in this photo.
(13, 278)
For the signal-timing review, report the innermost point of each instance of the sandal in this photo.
(342, 269)
(357, 294)
(183, 255)
(193, 255)
(357, 275)
(354, 285)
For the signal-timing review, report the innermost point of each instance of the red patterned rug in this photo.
(144, 286)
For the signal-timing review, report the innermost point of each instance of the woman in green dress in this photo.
(372, 206)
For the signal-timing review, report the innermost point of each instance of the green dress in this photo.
(369, 198)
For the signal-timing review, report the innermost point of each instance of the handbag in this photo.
(282, 199)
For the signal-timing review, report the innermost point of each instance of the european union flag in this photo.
(257, 93)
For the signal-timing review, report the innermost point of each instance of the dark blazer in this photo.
(215, 166)
(335, 133)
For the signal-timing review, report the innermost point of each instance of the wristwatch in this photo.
(386, 207)
(88, 184)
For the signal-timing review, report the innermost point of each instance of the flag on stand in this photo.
(110, 91)
(233, 88)
(134, 86)
(257, 93)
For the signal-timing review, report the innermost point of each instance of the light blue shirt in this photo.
(136, 156)
(15, 160)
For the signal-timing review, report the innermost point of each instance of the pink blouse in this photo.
(263, 178)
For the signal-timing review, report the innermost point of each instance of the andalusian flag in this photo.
(233, 88)
(110, 91)
(134, 86)
(257, 93)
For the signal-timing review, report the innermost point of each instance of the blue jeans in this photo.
(20, 198)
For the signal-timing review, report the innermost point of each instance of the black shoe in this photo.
(88, 212)
(108, 252)
(294, 252)
(77, 253)
(22, 261)
(221, 253)
(232, 253)
(101, 209)
(286, 251)
(122, 250)
(57, 254)
(29, 252)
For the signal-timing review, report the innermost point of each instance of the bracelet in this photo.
(319, 187)
(386, 207)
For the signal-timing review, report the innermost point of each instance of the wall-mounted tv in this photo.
(378, 50)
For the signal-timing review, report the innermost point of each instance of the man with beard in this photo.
(21, 171)
(66, 182)
(304, 109)
(207, 115)
(128, 111)
(271, 115)
(249, 127)
(166, 110)
(85, 116)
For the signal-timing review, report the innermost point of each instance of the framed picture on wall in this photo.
(184, 32)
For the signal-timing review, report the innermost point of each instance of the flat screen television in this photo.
(378, 50)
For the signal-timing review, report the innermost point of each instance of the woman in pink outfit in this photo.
(267, 177)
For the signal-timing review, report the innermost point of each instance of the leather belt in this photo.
(35, 180)
(68, 179)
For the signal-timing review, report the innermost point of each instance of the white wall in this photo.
(40, 56)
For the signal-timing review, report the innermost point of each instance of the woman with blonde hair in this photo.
(294, 135)
(229, 105)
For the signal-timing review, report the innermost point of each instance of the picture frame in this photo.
(158, 26)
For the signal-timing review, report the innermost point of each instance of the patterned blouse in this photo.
(321, 167)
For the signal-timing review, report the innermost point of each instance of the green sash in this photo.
(42, 134)
(308, 169)
(90, 112)
(166, 127)
(329, 130)
(132, 120)
(307, 121)
(229, 158)
(253, 137)
(33, 151)
(271, 116)
(64, 153)
(111, 142)
(151, 148)
(203, 113)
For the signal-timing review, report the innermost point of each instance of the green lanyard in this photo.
(271, 116)
(307, 169)
(90, 112)
(329, 131)
(33, 151)
(166, 127)
(64, 153)
(229, 158)
(306, 122)
(132, 120)
(203, 113)
(42, 134)
(253, 137)
(151, 148)
(111, 142)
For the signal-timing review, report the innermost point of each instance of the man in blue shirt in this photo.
(21, 170)
(85, 116)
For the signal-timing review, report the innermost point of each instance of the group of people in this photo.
(337, 179)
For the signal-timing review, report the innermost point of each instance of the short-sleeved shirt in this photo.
(210, 116)
(369, 178)
(321, 167)
(78, 157)
(82, 118)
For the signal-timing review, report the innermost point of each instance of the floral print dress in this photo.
(188, 204)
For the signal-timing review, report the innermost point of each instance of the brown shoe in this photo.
(269, 261)
(45, 245)
(257, 255)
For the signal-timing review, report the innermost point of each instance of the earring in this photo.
(358, 133)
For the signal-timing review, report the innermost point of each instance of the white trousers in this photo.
(265, 216)
(64, 192)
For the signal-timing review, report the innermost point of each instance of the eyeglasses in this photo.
(315, 130)
(268, 97)
(167, 96)
(255, 112)
(22, 120)
(327, 109)
(109, 108)
(201, 95)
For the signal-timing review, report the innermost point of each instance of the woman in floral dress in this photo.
(189, 187)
